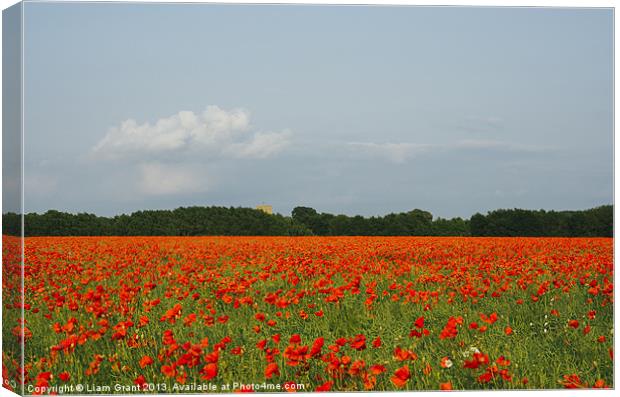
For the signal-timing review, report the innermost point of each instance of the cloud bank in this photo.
(214, 132)
(173, 155)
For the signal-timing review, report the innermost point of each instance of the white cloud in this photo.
(262, 145)
(165, 179)
(169, 156)
(214, 132)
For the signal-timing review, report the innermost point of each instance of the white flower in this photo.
(470, 351)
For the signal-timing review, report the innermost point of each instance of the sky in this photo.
(347, 109)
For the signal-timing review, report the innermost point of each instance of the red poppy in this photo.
(271, 370)
(445, 362)
(140, 381)
(377, 369)
(572, 382)
(502, 361)
(168, 371)
(401, 376)
(146, 360)
(445, 386)
(600, 384)
(327, 386)
(358, 342)
(477, 360)
(209, 371)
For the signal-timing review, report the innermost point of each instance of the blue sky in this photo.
(355, 110)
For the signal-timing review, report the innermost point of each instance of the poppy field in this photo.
(218, 314)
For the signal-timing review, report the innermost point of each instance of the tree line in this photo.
(594, 222)
(209, 221)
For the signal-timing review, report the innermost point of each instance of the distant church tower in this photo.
(265, 208)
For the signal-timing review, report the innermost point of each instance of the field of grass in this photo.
(222, 314)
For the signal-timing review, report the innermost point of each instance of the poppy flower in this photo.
(401, 376)
(168, 371)
(261, 344)
(450, 331)
(140, 381)
(317, 345)
(445, 362)
(376, 369)
(145, 361)
(490, 319)
(572, 381)
(445, 386)
(477, 360)
(209, 371)
(403, 354)
(327, 386)
(600, 384)
(486, 377)
(358, 342)
(502, 361)
(271, 370)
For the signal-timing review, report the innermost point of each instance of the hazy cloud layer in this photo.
(393, 152)
(402, 152)
(157, 178)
